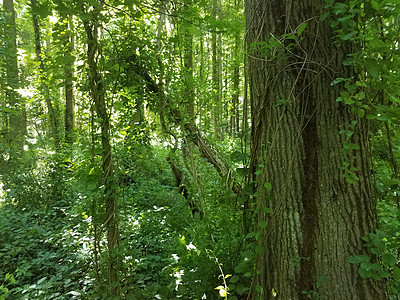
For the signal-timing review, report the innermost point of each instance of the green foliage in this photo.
(382, 264)
(46, 257)
(53, 209)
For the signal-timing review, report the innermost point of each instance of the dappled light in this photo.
(210, 149)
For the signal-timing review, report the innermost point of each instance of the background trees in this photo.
(136, 177)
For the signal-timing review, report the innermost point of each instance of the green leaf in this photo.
(373, 67)
(364, 273)
(324, 16)
(375, 5)
(338, 80)
(234, 279)
(250, 235)
(378, 242)
(360, 112)
(388, 259)
(301, 28)
(8, 110)
(248, 190)
(349, 35)
(12, 279)
(42, 11)
(268, 186)
(396, 273)
(358, 259)
(266, 210)
(241, 289)
(383, 274)
(237, 156)
(351, 146)
(262, 224)
(241, 268)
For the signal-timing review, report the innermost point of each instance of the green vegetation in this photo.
(199, 149)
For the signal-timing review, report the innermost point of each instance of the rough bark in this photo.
(317, 218)
(111, 222)
(42, 76)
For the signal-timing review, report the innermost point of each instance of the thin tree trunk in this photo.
(219, 76)
(193, 133)
(234, 114)
(69, 87)
(111, 222)
(17, 119)
(215, 76)
(188, 65)
(43, 78)
(317, 218)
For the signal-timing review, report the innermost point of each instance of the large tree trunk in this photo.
(317, 218)
(111, 221)
(17, 119)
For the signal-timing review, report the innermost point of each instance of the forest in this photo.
(200, 149)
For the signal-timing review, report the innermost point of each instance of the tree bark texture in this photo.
(317, 218)
(111, 222)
